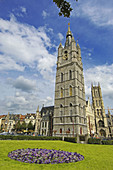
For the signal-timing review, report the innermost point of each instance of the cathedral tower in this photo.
(69, 107)
(99, 111)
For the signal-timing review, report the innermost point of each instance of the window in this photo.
(98, 112)
(96, 103)
(70, 90)
(99, 102)
(45, 124)
(101, 123)
(70, 74)
(79, 109)
(61, 94)
(60, 130)
(61, 77)
(78, 91)
(81, 130)
(42, 124)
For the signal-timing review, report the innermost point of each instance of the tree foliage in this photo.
(64, 6)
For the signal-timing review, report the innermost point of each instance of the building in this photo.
(90, 119)
(37, 122)
(101, 122)
(69, 106)
(46, 121)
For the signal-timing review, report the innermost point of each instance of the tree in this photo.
(64, 6)
(30, 126)
(18, 126)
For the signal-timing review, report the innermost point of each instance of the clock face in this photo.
(65, 56)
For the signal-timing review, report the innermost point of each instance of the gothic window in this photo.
(61, 111)
(61, 93)
(98, 112)
(99, 102)
(81, 130)
(70, 74)
(61, 77)
(45, 124)
(101, 123)
(60, 130)
(79, 109)
(42, 124)
(96, 103)
(70, 90)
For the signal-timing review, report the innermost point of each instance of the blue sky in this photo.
(30, 33)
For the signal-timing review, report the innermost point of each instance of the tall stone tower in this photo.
(37, 124)
(99, 111)
(69, 106)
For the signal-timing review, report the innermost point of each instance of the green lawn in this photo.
(97, 157)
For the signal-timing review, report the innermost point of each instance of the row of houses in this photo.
(43, 122)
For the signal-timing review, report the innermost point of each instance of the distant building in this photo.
(90, 119)
(37, 122)
(47, 121)
(101, 121)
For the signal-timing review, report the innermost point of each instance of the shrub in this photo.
(107, 142)
(94, 141)
(6, 137)
(70, 139)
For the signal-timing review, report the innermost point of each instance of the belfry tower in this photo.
(99, 111)
(69, 106)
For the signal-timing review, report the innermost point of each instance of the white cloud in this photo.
(61, 37)
(99, 12)
(24, 84)
(45, 14)
(25, 45)
(23, 9)
(104, 75)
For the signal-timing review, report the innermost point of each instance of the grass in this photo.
(96, 156)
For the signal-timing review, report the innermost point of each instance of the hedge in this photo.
(9, 137)
(70, 139)
(107, 142)
(94, 141)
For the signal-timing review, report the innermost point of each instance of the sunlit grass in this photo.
(96, 156)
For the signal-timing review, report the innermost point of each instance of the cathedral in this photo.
(73, 115)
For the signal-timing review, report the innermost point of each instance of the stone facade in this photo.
(46, 126)
(69, 106)
(37, 122)
(90, 119)
(101, 119)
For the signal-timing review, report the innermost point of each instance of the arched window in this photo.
(78, 91)
(101, 123)
(61, 110)
(81, 130)
(70, 90)
(61, 93)
(79, 109)
(71, 119)
(70, 74)
(60, 130)
(61, 77)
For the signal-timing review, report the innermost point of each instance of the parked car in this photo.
(4, 133)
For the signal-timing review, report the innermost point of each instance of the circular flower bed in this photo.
(44, 156)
